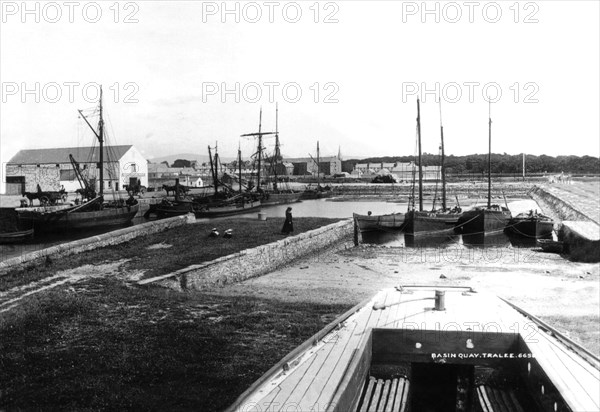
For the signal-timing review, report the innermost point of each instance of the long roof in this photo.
(61, 155)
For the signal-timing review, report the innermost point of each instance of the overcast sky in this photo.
(359, 69)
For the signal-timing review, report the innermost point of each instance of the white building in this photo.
(52, 169)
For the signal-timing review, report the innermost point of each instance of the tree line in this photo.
(501, 163)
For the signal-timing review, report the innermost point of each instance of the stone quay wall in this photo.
(90, 243)
(256, 261)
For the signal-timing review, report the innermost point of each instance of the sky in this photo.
(179, 76)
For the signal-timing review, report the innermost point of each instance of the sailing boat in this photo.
(274, 193)
(271, 194)
(224, 202)
(490, 218)
(91, 214)
(435, 222)
(319, 192)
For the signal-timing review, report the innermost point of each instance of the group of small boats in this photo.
(491, 218)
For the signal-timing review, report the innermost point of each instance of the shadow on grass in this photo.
(106, 346)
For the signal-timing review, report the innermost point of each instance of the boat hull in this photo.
(65, 220)
(531, 228)
(396, 339)
(280, 198)
(483, 221)
(393, 221)
(430, 223)
(227, 210)
(162, 211)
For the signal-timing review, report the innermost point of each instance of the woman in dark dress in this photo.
(288, 225)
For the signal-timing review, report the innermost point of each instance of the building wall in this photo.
(46, 175)
(133, 165)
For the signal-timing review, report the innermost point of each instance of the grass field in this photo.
(173, 249)
(103, 345)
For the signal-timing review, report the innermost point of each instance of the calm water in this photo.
(317, 208)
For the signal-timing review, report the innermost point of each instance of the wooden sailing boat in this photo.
(423, 348)
(91, 214)
(225, 202)
(434, 222)
(271, 192)
(488, 219)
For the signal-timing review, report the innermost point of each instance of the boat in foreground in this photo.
(15, 237)
(389, 222)
(421, 348)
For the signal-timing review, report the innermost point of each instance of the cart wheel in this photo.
(44, 200)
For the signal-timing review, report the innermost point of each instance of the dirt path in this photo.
(11, 298)
(545, 285)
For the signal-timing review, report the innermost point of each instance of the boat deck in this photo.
(314, 377)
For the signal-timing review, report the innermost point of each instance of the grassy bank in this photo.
(105, 346)
(173, 249)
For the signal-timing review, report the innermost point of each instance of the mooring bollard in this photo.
(440, 300)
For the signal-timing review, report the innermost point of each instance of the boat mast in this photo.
(100, 136)
(442, 165)
(213, 170)
(240, 166)
(318, 165)
(489, 202)
(259, 149)
(101, 140)
(277, 150)
(420, 167)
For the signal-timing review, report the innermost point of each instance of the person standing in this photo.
(288, 225)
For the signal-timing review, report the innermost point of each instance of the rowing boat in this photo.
(421, 348)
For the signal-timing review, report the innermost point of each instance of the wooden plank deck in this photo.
(311, 383)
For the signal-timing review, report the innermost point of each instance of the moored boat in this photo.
(93, 213)
(485, 219)
(389, 222)
(230, 207)
(421, 348)
(531, 225)
(437, 221)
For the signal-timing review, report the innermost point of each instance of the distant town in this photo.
(52, 169)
